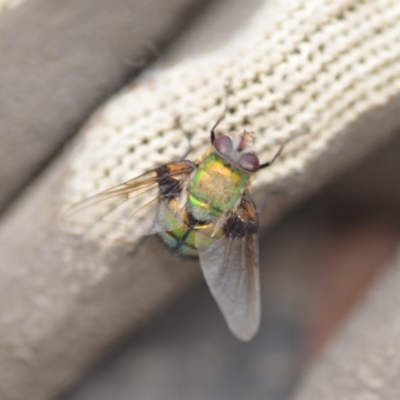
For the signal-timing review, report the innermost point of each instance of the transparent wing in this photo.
(231, 269)
(130, 209)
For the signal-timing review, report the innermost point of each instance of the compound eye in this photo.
(249, 162)
(223, 145)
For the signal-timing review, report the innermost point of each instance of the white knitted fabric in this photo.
(310, 69)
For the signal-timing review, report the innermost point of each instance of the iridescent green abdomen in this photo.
(215, 187)
(179, 235)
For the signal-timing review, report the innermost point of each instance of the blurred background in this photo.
(317, 262)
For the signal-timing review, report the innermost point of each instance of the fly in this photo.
(200, 208)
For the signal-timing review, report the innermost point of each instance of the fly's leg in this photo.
(212, 132)
(262, 197)
(304, 129)
(277, 154)
(279, 191)
(188, 134)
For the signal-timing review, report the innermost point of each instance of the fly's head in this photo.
(238, 150)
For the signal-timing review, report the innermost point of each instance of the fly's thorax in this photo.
(215, 187)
